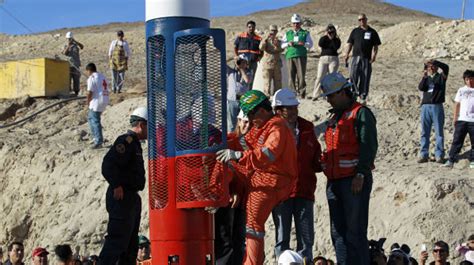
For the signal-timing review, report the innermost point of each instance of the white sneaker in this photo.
(448, 164)
(471, 165)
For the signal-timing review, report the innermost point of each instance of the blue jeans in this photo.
(432, 114)
(349, 215)
(302, 211)
(232, 113)
(96, 128)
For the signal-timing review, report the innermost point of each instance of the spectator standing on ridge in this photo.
(239, 79)
(351, 147)
(16, 253)
(440, 254)
(97, 101)
(364, 42)
(123, 168)
(301, 202)
(119, 53)
(64, 255)
(143, 255)
(329, 60)
(71, 50)
(271, 155)
(297, 42)
(40, 256)
(433, 87)
(463, 119)
(248, 44)
(271, 62)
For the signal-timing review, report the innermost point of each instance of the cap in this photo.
(290, 257)
(242, 116)
(143, 240)
(120, 33)
(273, 27)
(285, 97)
(333, 83)
(250, 100)
(39, 251)
(69, 35)
(139, 114)
(295, 18)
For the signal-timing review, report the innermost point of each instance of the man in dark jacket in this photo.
(433, 87)
(300, 204)
(124, 170)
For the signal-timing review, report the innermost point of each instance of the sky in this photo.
(32, 16)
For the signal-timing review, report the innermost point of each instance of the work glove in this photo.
(225, 155)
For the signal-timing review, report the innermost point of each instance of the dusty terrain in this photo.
(51, 190)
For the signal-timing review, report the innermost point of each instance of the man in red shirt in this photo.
(300, 204)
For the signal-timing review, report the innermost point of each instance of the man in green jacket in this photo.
(297, 41)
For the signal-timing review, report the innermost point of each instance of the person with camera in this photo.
(351, 147)
(71, 50)
(329, 60)
(271, 62)
(433, 88)
(440, 254)
(239, 79)
(364, 43)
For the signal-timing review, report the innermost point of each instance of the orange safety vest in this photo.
(249, 44)
(342, 148)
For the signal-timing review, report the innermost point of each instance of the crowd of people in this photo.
(274, 153)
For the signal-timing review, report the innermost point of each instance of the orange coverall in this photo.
(272, 156)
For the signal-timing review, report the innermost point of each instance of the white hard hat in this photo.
(290, 257)
(333, 83)
(242, 116)
(285, 97)
(68, 35)
(140, 113)
(295, 18)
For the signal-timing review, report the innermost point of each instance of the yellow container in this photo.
(34, 77)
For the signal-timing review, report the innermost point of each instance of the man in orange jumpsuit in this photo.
(271, 155)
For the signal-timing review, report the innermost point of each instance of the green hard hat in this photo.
(251, 99)
(143, 240)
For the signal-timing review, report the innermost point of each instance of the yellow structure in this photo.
(34, 77)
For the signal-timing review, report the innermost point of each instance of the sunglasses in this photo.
(143, 246)
(439, 250)
(360, 19)
(296, 23)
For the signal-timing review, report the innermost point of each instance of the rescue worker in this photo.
(71, 50)
(297, 42)
(271, 155)
(351, 146)
(124, 170)
(119, 53)
(248, 43)
(300, 204)
(143, 255)
(271, 62)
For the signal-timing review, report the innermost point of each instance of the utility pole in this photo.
(463, 7)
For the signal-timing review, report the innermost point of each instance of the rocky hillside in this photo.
(51, 190)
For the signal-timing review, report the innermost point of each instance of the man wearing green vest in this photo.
(297, 41)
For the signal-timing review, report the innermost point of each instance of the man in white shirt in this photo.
(97, 100)
(297, 42)
(119, 53)
(463, 120)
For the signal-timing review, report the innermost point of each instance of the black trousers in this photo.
(361, 71)
(461, 129)
(121, 241)
(229, 243)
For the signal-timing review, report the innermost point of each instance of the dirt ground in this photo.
(52, 191)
